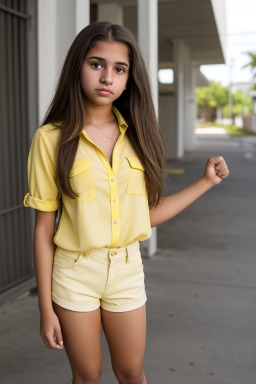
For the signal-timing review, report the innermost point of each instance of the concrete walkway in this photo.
(201, 288)
(211, 131)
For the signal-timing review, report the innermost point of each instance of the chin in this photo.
(102, 102)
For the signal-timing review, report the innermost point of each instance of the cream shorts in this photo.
(111, 278)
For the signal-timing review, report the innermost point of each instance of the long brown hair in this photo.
(135, 104)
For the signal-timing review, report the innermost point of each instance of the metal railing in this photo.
(16, 263)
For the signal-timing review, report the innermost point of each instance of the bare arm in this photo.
(44, 249)
(43, 257)
(168, 207)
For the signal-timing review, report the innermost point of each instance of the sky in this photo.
(241, 37)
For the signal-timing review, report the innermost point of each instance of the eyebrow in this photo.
(104, 60)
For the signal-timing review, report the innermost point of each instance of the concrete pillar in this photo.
(179, 85)
(148, 42)
(58, 23)
(190, 103)
(82, 14)
(47, 53)
(112, 12)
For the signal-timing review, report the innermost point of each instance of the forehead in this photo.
(110, 50)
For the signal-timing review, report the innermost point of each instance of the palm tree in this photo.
(252, 65)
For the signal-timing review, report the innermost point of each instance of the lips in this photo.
(104, 91)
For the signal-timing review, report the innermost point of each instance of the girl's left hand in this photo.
(216, 170)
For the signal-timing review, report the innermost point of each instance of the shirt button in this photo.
(116, 151)
(115, 221)
(112, 179)
(114, 199)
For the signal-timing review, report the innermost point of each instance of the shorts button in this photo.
(113, 253)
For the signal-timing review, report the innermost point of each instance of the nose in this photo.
(107, 76)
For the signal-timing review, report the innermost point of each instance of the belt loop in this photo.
(86, 254)
(127, 255)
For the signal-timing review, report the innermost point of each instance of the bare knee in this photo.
(88, 377)
(85, 380)
(131, 375)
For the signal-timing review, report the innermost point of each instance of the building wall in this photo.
(167, 121)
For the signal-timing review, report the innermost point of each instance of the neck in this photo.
(98, 114)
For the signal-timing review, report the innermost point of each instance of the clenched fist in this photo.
(216, 170)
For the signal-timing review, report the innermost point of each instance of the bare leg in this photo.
(82, 341)
(126, 336)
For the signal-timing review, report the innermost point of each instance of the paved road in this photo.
(201, 288)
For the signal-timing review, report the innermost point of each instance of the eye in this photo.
(96, 65)
(120, 69)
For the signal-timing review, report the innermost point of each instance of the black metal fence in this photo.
(16, 266)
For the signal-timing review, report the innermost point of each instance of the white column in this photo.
(47, 53)
(179, 83)
(112, 12)
(82, 14)
(190, 106)
(58, 23)
(148, 42)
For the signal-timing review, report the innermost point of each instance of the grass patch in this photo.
(232, 130)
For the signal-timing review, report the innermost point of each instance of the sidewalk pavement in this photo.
(201, 312)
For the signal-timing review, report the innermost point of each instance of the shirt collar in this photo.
(120, 119)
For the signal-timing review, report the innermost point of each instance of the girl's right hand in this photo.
(50, 331)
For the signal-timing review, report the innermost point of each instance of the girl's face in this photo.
(105, 72)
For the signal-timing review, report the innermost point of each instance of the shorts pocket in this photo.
(81, 180)
(136, 262)
(64, 259)
(136, 183)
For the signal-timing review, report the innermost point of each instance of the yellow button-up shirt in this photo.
(112, 208)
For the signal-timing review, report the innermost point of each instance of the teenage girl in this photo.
(98, 160)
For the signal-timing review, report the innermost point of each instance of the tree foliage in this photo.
(217, 97)
(252, 62)
(214, 96)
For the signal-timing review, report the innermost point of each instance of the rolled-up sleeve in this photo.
(43, 191)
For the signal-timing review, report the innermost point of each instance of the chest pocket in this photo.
(136, 183)
(82, 181)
